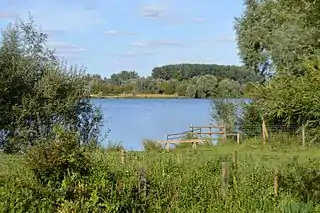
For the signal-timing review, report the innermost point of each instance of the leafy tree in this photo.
(274, 35)
(122, 77)
(182, 88)
(206, 86)
(38, 92)
(228, 88)
(280, 39)
(225, 113)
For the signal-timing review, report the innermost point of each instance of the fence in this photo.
(280, 134)
(277, 133)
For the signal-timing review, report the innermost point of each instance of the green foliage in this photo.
(114, 146)
(282, 38)
(151, 145)
(276, 35)
(191, 80)
(37, 92)
(181, 181)
(225, 113)
(52, 160)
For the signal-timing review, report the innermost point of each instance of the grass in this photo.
(138, 96)
(183, 180)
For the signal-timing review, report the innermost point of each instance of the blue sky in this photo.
(109, 36)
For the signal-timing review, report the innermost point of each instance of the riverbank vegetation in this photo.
(180, 80)
(51, 160)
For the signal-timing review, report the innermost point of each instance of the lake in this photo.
(132, 120)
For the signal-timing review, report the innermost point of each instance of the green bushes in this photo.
(159, 182)
(37, 92)
(151, 145)
(54, 159)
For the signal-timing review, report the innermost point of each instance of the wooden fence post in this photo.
(122, 156)
(224, 179)
(276, 181)
(194, 145)
(235, 160)
(168, 146)
(235, 168)
(265, 134)
(142, 181)
(225, 133)
(303, 135)
(238, 137)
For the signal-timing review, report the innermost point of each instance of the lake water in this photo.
(132, 120)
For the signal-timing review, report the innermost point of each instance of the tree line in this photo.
(190, 80)
(281, 41)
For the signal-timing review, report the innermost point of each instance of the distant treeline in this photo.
(190, 80)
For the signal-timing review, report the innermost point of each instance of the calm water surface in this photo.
(132, 120)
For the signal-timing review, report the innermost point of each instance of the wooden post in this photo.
(235, 168)
(122, 156)
(303, 135)
(194, 145)
(238, 137)
(225, 133)
(168, 146)
(224, 179)
(210, 129)
(142, 181)
(276, 181)
(235, 160)
(264, 131)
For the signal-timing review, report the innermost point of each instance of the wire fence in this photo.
(277, 133)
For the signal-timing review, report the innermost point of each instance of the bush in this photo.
(151, 145)
(53, 159)
(114, 147)
(38, 92)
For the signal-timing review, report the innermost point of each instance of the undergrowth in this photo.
(183, 180)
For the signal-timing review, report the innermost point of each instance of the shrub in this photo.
(151, 145)
(51, 160)
(38, 92)
(114, 146)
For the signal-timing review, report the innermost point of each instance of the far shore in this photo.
(139, 96)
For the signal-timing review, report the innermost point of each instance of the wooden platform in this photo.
(182, 141)
(201, 134)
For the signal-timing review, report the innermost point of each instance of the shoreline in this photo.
(138, 96)
(151, 96)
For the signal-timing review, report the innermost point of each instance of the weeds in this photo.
(184, 180)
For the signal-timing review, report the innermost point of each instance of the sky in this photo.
(108, 36)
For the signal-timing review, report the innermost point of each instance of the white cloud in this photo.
(133, 54)
(152, 11)
(198, 20)
(165, 12)
(118, 33)
(225, 39)
(140, 44)
(57, 15)
(6, 15)
(65, 49)
(156, 43)
(220, 39)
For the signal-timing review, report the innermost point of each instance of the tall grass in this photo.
(184, 180)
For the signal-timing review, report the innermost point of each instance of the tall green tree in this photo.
(38, 92)
(278, 35)
(283, 38)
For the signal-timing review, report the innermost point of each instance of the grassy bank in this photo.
(179, 181)
(138, 96)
